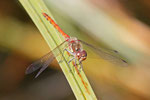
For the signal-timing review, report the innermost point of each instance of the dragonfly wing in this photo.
(44, 61)
(39, 63)
(45, 65)
(107, 54)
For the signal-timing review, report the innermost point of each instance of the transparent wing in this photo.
(44, 61)
(45, 65)
(40, 63)
(107, 54)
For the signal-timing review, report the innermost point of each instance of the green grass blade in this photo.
(78, 81)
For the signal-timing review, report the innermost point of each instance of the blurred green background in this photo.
(122, 25)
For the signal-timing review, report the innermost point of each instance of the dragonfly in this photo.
(75, 49)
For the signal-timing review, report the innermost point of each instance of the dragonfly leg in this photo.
(63, 54)
(75, 64)
(69, 52)
(71, 60)
(81, 67)
(69, 63)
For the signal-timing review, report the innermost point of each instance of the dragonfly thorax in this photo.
(76, 47)
(74, 44)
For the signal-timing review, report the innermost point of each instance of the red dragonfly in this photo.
(75, 49)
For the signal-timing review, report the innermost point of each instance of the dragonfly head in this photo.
(82, 55)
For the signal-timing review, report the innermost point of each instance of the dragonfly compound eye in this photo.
(83, 55)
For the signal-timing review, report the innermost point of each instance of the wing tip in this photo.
(27, 71)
